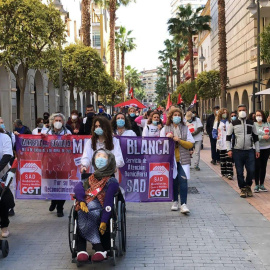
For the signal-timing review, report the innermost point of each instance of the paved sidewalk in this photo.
(261, 201)
(220, 233)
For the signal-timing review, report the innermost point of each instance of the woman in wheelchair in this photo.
(95, 199)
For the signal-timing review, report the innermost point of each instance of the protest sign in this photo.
(49, 167)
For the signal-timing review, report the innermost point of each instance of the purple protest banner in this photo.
(148, 172)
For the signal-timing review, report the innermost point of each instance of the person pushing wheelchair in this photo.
(95, 198)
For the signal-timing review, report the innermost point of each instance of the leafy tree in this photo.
(132, 77)
(161, 89)
(187, 90)
(189, 23)
(30, 32)
(208, 84)
(265, 48)
(139, 93)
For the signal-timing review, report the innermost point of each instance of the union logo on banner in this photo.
(30, 177)
(159, 180)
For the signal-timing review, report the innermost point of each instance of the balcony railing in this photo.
(253, 59)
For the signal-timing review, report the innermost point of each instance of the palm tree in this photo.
(132, 78)
(222, 51)
(117, 49)
(189, 23)
(113, 5)
(86, 22)
(126, 44)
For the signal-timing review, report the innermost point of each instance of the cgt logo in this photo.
(31, 190)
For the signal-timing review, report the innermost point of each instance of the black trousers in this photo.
(226, 164)
(260, 166)
(59, 205)
(4, 215)
(214, 152)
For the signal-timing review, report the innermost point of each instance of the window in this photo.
(96, 39)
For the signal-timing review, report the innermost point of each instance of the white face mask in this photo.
(58, 125)
(74, 116)
(259, 119)
(242, 114)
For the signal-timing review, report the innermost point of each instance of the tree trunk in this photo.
(118, 60)
(167, 79)
(191, 59)
(123, 70)
(112, 36)
(171, 73)
(178, 66)
(86, 22)
(222, 51)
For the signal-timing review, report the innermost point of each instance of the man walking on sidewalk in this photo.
(209, 127)
(245, 133)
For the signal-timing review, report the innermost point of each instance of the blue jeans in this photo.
(180, 180)
(214, 152)
(244, 158)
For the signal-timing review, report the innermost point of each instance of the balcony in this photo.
(265, 12)
(195, 54)
(253, 60)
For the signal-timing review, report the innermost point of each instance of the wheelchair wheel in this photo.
(112, 239)
(124, 228)
(4, 248)
(72, 229)
(119, 229)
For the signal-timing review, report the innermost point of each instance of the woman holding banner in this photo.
(57, 127)
(153, 127)
(102, 138)
(121, 125)
(176, 129)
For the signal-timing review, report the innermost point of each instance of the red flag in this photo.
(131, 92)
(193, 103)
(180, 100)
(169, 103)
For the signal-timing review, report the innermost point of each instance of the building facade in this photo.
(40, 94)
(149, 78)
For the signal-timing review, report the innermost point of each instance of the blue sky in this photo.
(148, 20)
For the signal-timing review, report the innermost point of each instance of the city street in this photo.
(223, 231)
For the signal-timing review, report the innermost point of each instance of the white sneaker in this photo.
(184, 209)
(175, 206)
(5, 232)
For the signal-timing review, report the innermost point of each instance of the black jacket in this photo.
(134, 125)
(86, 125)
(210, 124)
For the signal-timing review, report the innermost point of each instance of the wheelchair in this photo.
(116, 229)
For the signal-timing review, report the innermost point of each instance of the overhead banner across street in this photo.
(49, 167)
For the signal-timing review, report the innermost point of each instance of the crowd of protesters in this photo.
(236, 139)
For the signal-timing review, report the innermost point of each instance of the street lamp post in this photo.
(202, 59)
(253, 8)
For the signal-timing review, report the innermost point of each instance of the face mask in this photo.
(242, 114)
(155, 123)
(57, 125)
(120, 122)
(176, 119)
(259, 119)
(100, 110)
(224, 115)
(99, 131)
(132, 114)
(193, 115)
(2, 126)
(91, 114)
(46, 117)
(101, 162)
(217, 112)
(73, 117)
(40, 125)
(234, 118)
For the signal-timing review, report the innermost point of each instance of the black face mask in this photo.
(91, 114)
(46, 117)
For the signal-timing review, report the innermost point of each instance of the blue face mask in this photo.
(2, 126)
(99, 131)
(155, 123)
(100, 110)
(120, 122)
(132, 114)
(234, 118)
(176, 119)
(101, 162)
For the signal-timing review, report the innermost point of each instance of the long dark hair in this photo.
(264, 119)
(107, 133)
(127, 122)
